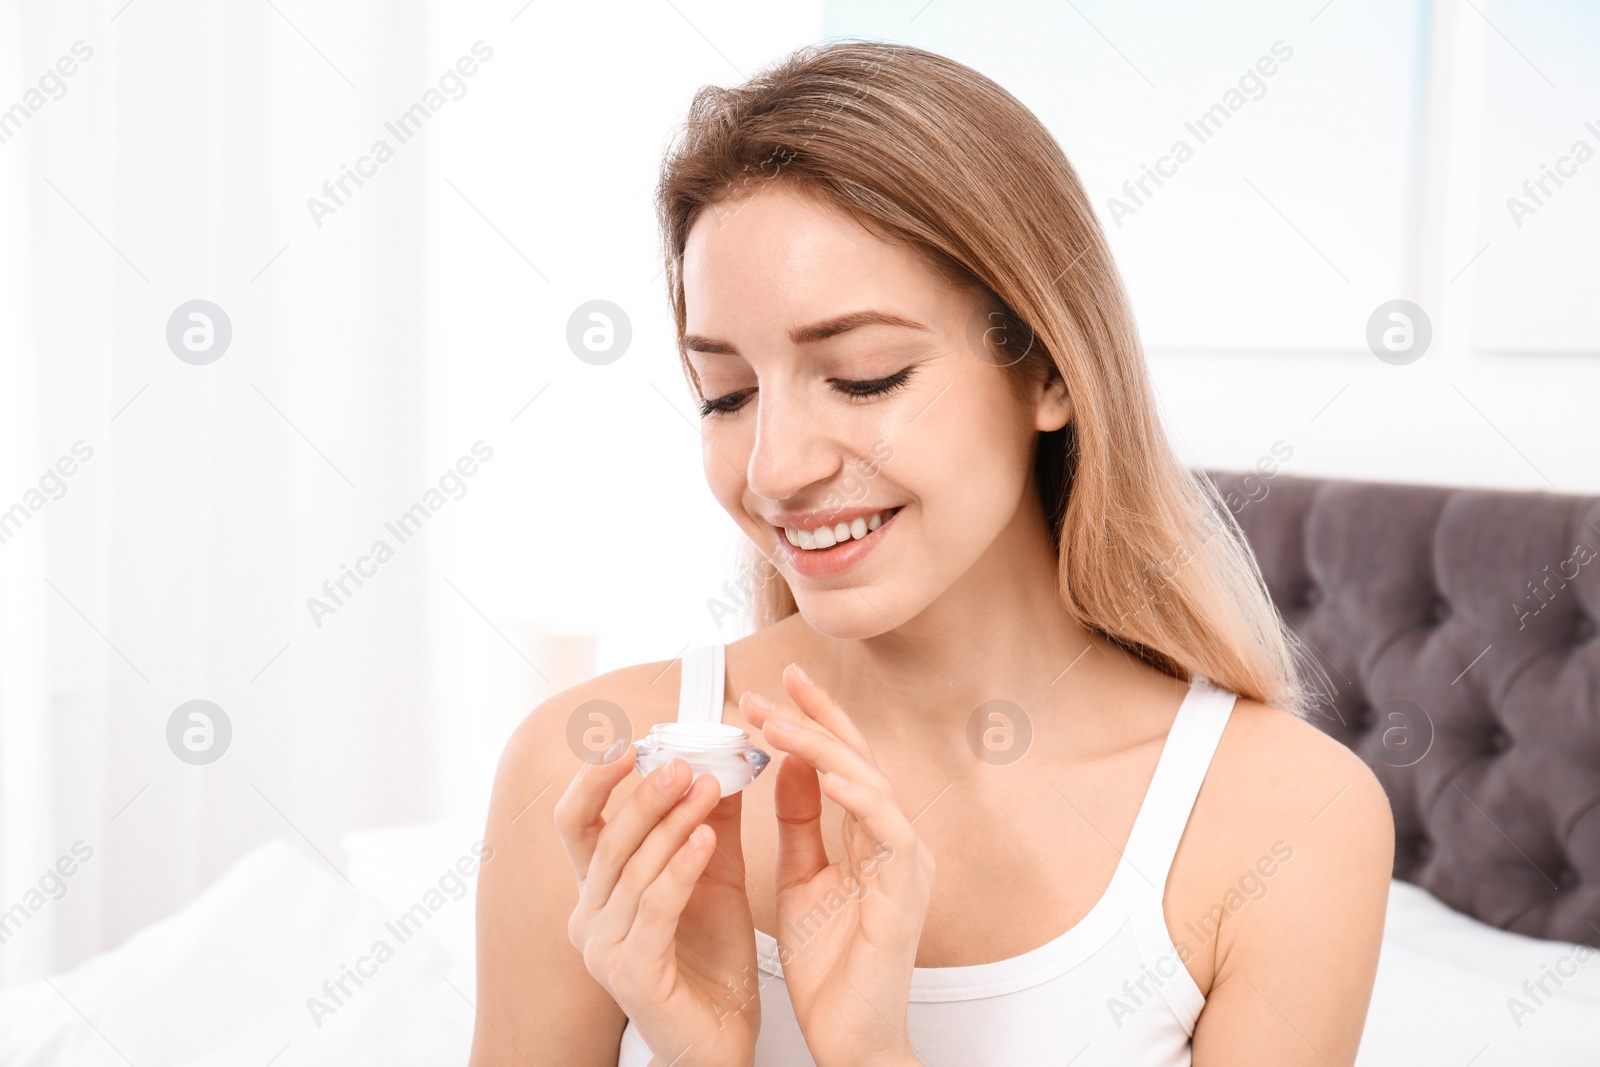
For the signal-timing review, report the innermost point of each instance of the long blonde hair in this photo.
(930, 153)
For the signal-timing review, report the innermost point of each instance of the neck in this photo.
(1000, 632)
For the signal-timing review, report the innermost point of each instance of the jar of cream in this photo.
(708, 747)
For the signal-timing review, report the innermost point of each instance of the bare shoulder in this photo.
(1287, 814)
(1281, 774)
(583, 720)
(1293, 847)
(534, 990)
(1279, 787)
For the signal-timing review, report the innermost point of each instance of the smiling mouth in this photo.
(826, 538)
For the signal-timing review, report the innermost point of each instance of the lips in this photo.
(830, 562)
(813, 520)
(827, 536)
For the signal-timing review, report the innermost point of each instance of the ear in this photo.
(1052, 404)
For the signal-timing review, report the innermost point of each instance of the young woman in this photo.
(1042, 791)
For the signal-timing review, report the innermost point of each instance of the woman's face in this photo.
(848, 380)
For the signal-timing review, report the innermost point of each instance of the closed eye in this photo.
(850, 388)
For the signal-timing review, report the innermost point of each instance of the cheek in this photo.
(966, 484)
(970, 465)
(725, 457)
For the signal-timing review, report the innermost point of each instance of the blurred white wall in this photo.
(1374, 162)
(419, 319)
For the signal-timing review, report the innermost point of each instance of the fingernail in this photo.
(610, 754)
(840, 783)
(762, 702)
(784, 724)
(800, 673)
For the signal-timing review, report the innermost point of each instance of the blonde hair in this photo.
(927, 152)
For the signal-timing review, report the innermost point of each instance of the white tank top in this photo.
(1111, 990)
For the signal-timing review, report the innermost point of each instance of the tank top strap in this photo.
(701, 692)
(1185, 759)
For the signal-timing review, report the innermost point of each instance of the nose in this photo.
(792, 450)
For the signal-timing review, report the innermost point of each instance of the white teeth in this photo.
(828, 536)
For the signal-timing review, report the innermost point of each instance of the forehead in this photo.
(778, 256)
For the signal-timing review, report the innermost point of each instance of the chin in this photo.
(847, 614)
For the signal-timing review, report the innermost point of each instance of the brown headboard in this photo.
(1458, 629)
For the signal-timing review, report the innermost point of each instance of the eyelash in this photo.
(855, 390)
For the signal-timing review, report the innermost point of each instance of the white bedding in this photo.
(1444, 985)
(226, 980)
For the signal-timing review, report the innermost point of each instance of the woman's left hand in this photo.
(848, 930)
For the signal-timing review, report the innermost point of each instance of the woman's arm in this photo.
(1294, 969)
(537, 1003)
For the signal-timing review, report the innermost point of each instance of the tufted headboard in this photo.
(1458, 630)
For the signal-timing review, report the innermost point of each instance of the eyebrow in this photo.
(802, 335)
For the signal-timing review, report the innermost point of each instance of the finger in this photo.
(798, 805)
(644, 863)
(760, 708)
(661, 905)
(726, 820)
(884, 821)
(578, 813)
(651, 801)
(813, 742)
(818, 703)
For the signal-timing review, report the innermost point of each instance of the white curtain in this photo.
(398, 324)
(176, 561)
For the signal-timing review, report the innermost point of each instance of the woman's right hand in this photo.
(663, 920)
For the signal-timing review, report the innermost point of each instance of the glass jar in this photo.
(708, 747)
